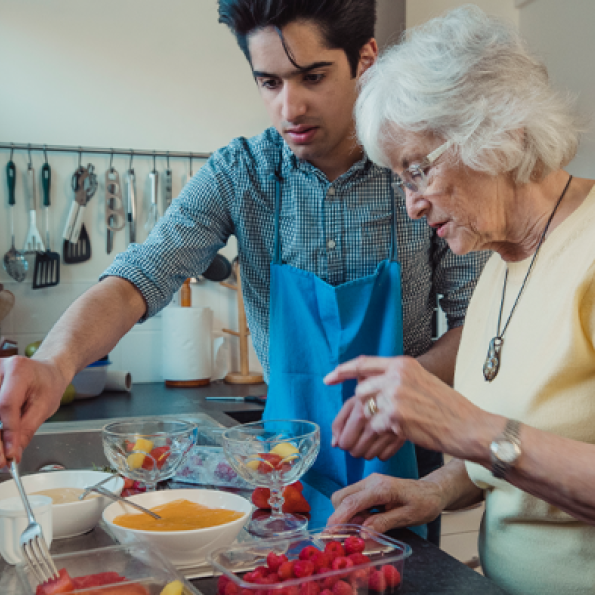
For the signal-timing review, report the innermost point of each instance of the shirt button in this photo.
(331, 191)
(331, 244)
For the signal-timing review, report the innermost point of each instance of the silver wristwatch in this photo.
(506, 449)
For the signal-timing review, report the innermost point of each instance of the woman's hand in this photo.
(411, 404)
(406, 502)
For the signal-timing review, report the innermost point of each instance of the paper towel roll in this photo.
(118, 381)
(187, 344)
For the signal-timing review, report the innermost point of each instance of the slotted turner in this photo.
(47, 264)
(33, 241)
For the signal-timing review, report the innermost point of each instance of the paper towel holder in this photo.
(244, 376)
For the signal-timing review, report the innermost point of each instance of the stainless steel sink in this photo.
(77, 445)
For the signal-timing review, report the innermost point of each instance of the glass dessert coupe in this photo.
(273, 454)
(148, 450)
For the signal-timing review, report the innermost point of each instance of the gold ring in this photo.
(372, 406)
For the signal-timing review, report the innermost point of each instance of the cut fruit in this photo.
(135, 460)
(173, 588)
(285, 450)
(143, 445)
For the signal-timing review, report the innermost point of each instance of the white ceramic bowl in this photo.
(74, 518)
(183, 548)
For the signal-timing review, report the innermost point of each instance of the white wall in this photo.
(143, 74)
(419, 11)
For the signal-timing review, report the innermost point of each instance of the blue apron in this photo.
(313, 327)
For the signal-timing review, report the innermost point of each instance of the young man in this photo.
(331, 265)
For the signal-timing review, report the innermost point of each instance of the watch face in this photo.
(507, 452)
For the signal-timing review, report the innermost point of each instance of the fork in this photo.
(33, 544)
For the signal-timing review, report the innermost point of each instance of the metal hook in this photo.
(153, 161)
(29, 150)
(191, 172)
(131, 156)
(111, 162)
(12, 151)
(80, 156)
(167, 159)
(45, 153)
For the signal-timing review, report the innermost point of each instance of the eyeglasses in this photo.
(415, 178)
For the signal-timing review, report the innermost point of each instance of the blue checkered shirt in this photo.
(339, 231)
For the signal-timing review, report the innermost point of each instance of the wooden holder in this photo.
(244, 376)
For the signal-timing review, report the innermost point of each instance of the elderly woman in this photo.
(464, 116)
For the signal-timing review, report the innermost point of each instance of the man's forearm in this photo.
(92, 325)
(441, 358)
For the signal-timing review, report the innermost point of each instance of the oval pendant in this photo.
(492, 363)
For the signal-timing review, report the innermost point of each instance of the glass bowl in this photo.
(240, 563)
(148, 450)
(273, 454)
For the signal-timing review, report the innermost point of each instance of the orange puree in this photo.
(179, 515)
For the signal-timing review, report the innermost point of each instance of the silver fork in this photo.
(33, 544)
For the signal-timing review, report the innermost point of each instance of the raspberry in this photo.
(358, 558)
(262, 570)
(334, 549)
(354, 545)
(285, 571)
(303, 568)
(287, 590)
(231, 589)
(321, 560)
(309, 588)
(308, 552)
(359, 578)
(222, 583)
(273, 578)
(326, 592)
(246, 592)
(342, 588)
(392, 576)
(377, 582)
(274, 561)
(327, 582)
(341, 562)
(252, 577)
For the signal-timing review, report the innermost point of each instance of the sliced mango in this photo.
(253, 464)
(173, 588)
(135, 460)
(143, 445)
(285, 450)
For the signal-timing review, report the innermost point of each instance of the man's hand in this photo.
(30, 391)
(406, 502)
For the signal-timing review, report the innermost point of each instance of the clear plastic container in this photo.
(244, 557)
(90, 382)
(138, 563)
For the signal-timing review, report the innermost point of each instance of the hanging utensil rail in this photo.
(104, 151)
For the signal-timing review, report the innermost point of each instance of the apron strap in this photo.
(278, 178)
(394, 249)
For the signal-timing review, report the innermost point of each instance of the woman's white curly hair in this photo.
(468, 77)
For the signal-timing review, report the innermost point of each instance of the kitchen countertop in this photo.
(156, 399)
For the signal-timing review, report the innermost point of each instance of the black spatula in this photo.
(47, 264)
(79, 252)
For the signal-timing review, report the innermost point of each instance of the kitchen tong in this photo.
(84, 184)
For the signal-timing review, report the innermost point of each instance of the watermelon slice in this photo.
(62, 584)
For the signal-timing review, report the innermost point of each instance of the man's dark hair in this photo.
(344, 24)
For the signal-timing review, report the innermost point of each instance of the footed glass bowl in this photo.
(273, 454)
(148, 450)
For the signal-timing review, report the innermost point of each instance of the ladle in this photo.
(14, 261)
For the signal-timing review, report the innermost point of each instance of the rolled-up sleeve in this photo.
(186, 239)
(455, 278)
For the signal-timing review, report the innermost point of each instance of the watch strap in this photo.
(511, 433)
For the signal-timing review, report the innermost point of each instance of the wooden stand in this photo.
(244, 376)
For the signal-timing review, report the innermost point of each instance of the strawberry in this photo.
(309, 552)
(260, 498)
(231, 589)
(354, 545)
(285, 571)
(392, 576)
(321, 560)
(377, 581)
(298, 485)
(271, 461)
(309, 588)
(342, 588)
(294, 500)
(222, 583)
(303, 568)
(334, 549)
(358, 558)
(159, 455)
(274, 561)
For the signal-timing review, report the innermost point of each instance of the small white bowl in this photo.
(183, 548)
(73, 518)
